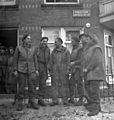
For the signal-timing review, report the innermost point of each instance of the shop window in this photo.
(69, 33)
(51, 33)
(62, 1)
(65, 33)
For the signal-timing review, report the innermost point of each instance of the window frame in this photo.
(106, 34)
(71, 29)
(45, 2)
(9, 4)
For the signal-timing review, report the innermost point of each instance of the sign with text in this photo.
(7, 2)
(81, 13)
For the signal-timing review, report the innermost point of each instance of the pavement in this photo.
(59, 112)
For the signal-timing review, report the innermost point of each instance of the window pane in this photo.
(7, 2)
(61, 0)
(69, 34)
(49, 0)
(51, 33)
(109, 60)
(110, 40)
(66, 0)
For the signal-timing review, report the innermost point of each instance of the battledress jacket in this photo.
(92, 60)
(25, 60)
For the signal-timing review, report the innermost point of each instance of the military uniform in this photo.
(43, 56)
(25, 62)
(3, 68)
(92, 61)
(11, 82)
(76, 79)
(59, 70)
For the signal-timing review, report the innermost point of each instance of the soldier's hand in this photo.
(15, 73)
(72, 63)
(37, 88)
(37, 73)
(84, 70)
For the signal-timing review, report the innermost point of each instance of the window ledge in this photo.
(10, 7)
(66, 42)
(62, 5)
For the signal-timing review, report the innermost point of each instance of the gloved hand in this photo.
(15, 73)
(85, 72)
(37, 73)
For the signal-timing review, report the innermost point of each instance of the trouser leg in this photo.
(72, 87)
(92, 88)
(22, 77)
(31, 86)
(21, 89)
(55, 92)
(32, 90)
(80, 87)
(42, 85)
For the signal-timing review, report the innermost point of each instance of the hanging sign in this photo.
(81, 13)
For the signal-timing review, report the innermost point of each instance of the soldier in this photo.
(43, 56)
(10, 79)
(59, 71)
(26, 69)
(3, 67)
(0, 68)
(75, 62)
(92, 70)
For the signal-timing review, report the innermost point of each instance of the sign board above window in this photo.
(7, 2)
(81, 13)
(61, 1)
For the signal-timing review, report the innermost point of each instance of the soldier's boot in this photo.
(80, 102)
(33, 105)
(87, 104)
(90, 107)
(55, 102)
(93, 109)
(41, 103)
(72, 101)
(66, 102)
(93, 113)
(20, 106)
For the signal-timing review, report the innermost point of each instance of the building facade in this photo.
(63, 18)
(106, 20)
(52, 18)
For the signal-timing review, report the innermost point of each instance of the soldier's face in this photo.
(83, 39)
(28, 40)
(57, 43)
(74, 42)
(11, 51)
(44, 42)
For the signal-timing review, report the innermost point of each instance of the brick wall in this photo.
(33, 14)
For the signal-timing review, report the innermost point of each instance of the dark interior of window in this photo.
(61, 0)
(8, 37)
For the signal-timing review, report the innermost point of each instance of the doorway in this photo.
(8, 38)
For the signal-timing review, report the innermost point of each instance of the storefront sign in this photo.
(7, 2)
(81, 13)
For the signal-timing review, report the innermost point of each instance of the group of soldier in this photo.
(6, 69)
(83, 67)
